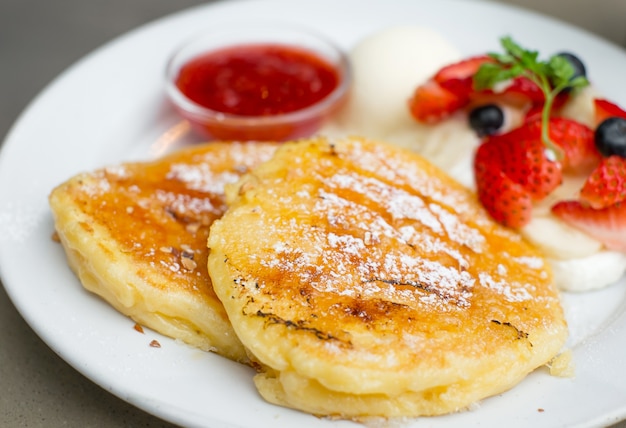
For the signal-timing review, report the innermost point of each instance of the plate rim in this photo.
(8, 147)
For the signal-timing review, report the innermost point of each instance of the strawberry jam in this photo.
(257, 80)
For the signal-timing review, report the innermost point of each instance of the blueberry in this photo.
(486, 119)
(610, 137)
(576, 63)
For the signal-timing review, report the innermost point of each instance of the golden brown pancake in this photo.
(136, 233)
(365, 282)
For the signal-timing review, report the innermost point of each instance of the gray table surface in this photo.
(38, 40)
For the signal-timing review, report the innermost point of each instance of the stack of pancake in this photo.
(358, 279)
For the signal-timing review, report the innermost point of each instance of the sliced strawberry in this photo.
(575, 138)
(525, 88)
(534, 113)
(605, 109)
(607, 183)
(458, 78)
(577, 141)
(452, 88)
(529, 166)
(536, 110)
(512, 171)
(431, 103)
(521, 155)
(507, 202)
(607, 225)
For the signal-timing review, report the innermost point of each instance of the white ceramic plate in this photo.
(110, 107)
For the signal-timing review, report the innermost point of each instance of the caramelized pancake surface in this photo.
(365, 282)
(136, 233)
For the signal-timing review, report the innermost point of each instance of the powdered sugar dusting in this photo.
(182, 203)
(531, 262)
(512, 291)
(392, 269)
(458, 231)
(117, 170)
(359, 225)
(201, 177)
(98, 186)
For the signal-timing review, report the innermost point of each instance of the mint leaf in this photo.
(513, 48)
(551, 76)
(560, 71)
(489, 75)
(579, 82)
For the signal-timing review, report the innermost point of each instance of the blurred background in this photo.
(39, 40)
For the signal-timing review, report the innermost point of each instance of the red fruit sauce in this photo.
(257, 80)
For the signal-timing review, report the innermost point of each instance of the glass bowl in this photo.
(216, 123)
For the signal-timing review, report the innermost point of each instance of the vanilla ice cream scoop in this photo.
(388, 66)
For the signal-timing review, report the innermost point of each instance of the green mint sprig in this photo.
(551, 76)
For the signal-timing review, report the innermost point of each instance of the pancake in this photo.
(135, 234)
(364, 282)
